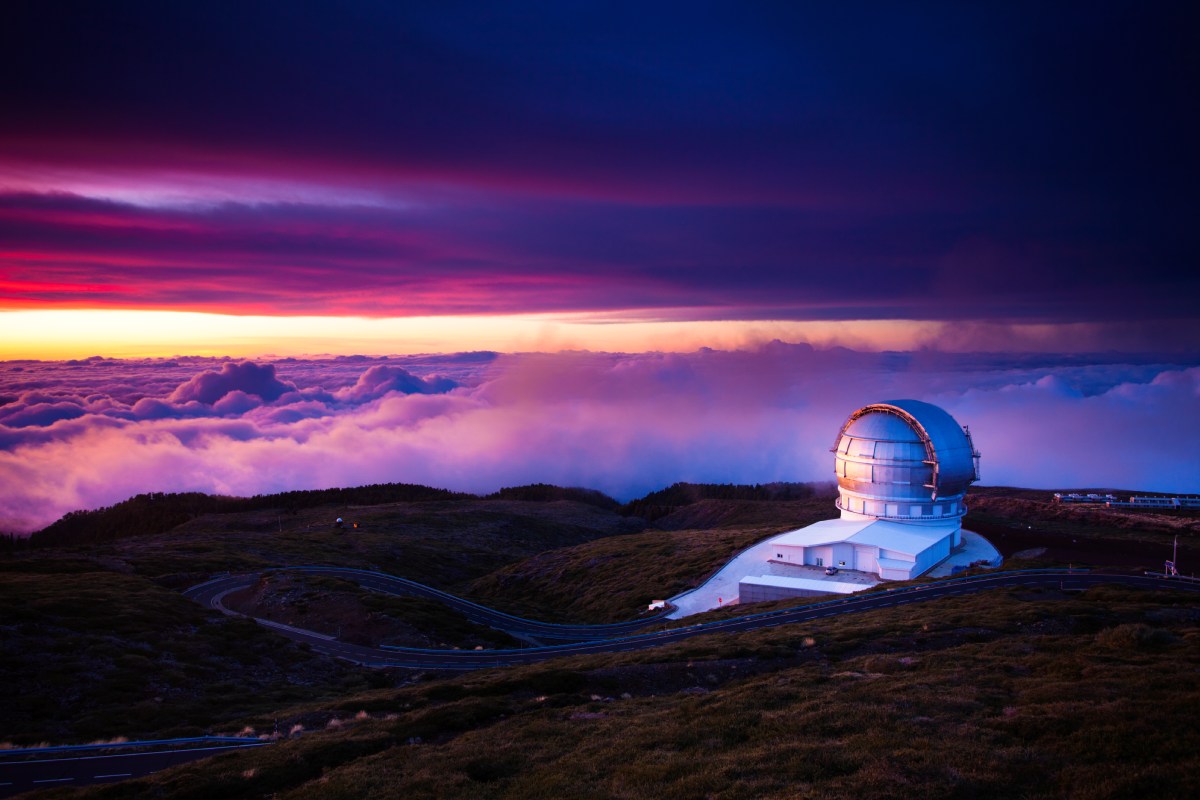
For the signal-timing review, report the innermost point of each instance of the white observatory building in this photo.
(903, 468)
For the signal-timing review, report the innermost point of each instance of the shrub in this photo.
(1134, 636)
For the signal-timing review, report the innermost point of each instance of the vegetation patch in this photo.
(341, 608)
(89, 655)
(1017, 692)
(893, 703)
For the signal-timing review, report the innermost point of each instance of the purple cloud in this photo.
(23, 414)
(246, 377)
(153, 408)
(382, 379)
(625, 424)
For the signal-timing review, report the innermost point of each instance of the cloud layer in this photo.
(89, 433)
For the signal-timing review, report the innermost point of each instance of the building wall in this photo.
(820, 556)
(751, 593)
(866, 558)
(896, 574)
(791, 554)
(930, 556)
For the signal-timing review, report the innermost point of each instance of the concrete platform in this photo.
(722, 589)
(974, 548)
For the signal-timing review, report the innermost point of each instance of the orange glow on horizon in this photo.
(66, 333)
(70, 333)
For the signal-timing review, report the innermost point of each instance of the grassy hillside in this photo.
(87, 654)
(96, 642)
(341, 608)
(436, 542)
(997, 695)
(611, 579)
(607, 580)
(157, 512)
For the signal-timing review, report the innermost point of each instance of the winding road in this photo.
(621, 637)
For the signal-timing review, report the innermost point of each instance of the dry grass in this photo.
(615, 578)
(1044, 696)
(1008, 693)
(92, 655)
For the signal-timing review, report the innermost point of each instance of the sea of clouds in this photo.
(88, 433)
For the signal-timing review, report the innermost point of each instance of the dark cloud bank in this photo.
(87, 433)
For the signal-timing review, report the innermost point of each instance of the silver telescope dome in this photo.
(905, 460)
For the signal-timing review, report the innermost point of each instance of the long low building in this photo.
(761, 588)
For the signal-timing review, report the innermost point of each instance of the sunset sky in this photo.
(559, 162)
(275, 180)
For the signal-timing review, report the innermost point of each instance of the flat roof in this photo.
(810, 584)
(910, 539)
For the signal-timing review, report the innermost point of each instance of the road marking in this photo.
(53, 780)
(114, 775)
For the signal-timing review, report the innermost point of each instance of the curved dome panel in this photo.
(951, 443)
(896, 459)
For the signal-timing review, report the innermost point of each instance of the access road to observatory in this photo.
(210, 594)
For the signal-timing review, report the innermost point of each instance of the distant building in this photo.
(903, 468)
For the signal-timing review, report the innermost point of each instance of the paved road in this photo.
(210, 594)
(55, 767)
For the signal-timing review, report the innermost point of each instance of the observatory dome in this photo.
(904, 460)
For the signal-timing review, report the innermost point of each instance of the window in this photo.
(841, 563)
(820, 562)
(779, 555)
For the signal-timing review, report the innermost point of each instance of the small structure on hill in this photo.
(903, 468)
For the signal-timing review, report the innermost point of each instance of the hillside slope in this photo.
(1003, 694)
(96, 642)
(93, 654)
(607, 580)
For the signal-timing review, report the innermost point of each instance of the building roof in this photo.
(952, 446)
(910, 539)
(811, 584)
